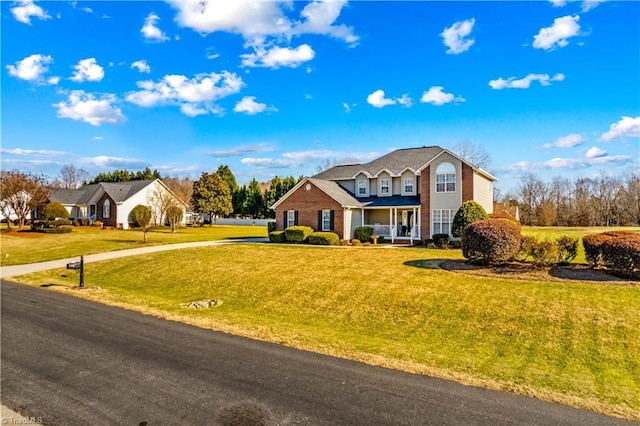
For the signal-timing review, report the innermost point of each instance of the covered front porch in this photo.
(393, 223)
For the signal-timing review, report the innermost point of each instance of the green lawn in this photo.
(31, 247)
(573, 342)
(555, 232)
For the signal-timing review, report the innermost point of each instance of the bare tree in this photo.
(604, 195)
(21, 193)
(328, 163)
(630, 199)
(532, 194)
(474, 154)
(72, 177)
(181, 186)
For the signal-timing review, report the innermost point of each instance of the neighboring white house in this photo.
(112, 202)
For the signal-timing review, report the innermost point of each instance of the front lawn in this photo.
(19, 247)
(573, 342)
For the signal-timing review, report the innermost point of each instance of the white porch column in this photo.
(413, 225)
(362, 217)
(391, 224)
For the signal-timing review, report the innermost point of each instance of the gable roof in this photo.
(117, 191)
(394, 163)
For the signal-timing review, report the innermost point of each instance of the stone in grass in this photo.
(205, 303)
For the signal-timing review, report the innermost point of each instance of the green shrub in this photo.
(324, 238)
(363, 233)
(455, 244)
(567, 249)
(622, 254)
(490, 242)
(271, 226)
(38, 225)
(140, 216)
(593, 248)
(527, 243)
(298, 234)
(356, 242)
(57, 230)
(469, 212)
(53, 210)
(440, 240)
(545, 253)
(277, 237)
(506, 217)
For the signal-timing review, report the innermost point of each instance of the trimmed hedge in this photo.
(298, 234)
(440, 240)
(324, 238)
(363, 233)
(490, 242)
(277, 237)
(545, 253)
(53, 210)
(39, 225)
(506, 217)
(568, 249)
(617, 250)
(271, 226)
(469, 212)
(57, 230)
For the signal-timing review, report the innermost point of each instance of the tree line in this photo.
(586, 201)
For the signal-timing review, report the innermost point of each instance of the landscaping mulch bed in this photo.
(527, 271)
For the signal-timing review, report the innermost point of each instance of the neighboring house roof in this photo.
(394, 163)
(118, 191)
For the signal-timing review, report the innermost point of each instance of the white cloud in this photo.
(568, 141)
(194, 96)
(454, 37)
(320, 17)
(593, 158)
(97, 138)
(87, 70)
(436, 96)
(74, 4)
(141, 66)
(595, 152)
(104, 161)
(300, 158)
(405, 101)
(276, 57)
(348, 107)
(242, 150)
(525, 82)
(87, 107)
(33, 152)
(150, 31)
(26, 10)
(53, 80)
(249, 106)
(31, 68)
(558, 34)
(587, 5)
(627, 127)
(378, 100)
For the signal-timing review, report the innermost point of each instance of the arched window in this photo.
(106, 209)
(445, 178)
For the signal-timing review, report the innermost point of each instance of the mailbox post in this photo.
(78, 266)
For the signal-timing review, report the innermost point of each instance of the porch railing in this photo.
(383, 230)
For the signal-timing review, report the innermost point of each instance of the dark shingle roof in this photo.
(393, 201)
(120, 191)
(395, 162)
(335, 191)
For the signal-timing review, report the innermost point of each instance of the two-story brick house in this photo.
(408, 194)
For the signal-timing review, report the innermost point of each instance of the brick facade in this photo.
(467, 182)
(307, 203)
(112, 219)
(425, 202)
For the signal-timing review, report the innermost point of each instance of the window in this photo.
(384, 186)
(408, 185)
(291, 218)
(442, 220)
(106, 209)
(445, 178)
(362, 188)
(326, 220)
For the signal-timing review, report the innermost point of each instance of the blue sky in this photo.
(274, 88)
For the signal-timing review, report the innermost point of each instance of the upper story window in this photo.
(106, 209)
(408, 185)
(445, 178)
(385, 188)
(362, 188)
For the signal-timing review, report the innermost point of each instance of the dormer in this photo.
(385, 184)
(362, 185)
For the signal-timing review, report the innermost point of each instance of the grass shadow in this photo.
(425, 263)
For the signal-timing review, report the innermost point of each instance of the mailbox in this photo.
(74, 265)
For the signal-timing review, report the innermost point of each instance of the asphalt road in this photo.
(75, 362)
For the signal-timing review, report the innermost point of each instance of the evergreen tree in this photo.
(253, 202)
(211, 195)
